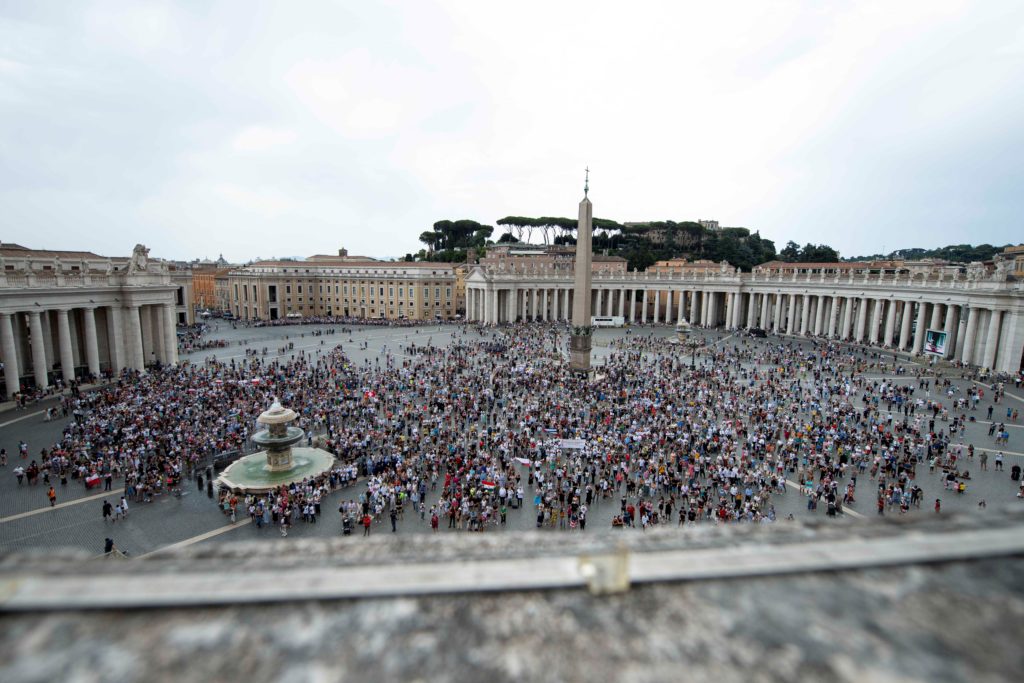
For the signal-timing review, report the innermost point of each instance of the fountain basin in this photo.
(267, 439)
(253, 474)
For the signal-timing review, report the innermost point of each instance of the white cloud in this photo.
(257, 201)
(261, 138)
(288, 130)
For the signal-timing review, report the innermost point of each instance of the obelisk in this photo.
(579, 342)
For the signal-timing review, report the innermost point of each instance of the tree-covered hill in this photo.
(961, 253)
(644, 243)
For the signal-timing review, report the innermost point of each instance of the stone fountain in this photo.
(279, 437)
(281, 462)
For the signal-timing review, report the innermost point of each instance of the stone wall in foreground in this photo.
(922, 621)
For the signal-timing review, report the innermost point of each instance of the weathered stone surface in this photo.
(948, 622)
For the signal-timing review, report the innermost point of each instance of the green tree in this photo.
(791, 252)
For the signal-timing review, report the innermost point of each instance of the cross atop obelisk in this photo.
(579, 342)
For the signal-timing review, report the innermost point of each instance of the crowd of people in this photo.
(492, 424)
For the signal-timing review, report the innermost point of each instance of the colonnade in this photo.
(84, 340)
(983, 331)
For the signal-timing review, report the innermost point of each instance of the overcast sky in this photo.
(292, 128)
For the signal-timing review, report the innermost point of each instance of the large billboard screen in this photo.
(935, 342)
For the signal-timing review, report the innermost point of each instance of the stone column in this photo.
(92, 349)
(157, 334)
(777, 304)
(970, 335)
(566, 295)
(992, 339)
(835, 303)
(875, 311)
(115, 340)
(847, 316)
(819, 315)
(890, 322)
(936, 317)
(657, 305)
(694, 318)
(133, 337)
(860, 331)
(1011, 343)
(805, 313)
(46, 317)
(682, 305)
(544, 304)
(919, 328)
(632, 305)
(67, 357)
(763, 322)
(906, 317)
(790, 313)
(12, 372)
(961, 331)
(146, 325)
(950, 330)
(39, 366)
(170, 334)
(643, 308)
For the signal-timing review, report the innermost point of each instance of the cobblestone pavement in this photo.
(169, 520)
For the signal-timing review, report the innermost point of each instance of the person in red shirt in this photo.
(367, 520)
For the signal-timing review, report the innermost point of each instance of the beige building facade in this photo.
(333, 286)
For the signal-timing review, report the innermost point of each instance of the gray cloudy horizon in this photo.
(288, 129)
